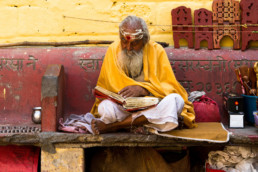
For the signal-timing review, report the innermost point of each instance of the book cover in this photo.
(130, 103)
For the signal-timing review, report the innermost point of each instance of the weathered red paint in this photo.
(210, 71)
(49, 117)
(253, 137)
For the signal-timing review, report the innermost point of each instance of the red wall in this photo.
(21, 70)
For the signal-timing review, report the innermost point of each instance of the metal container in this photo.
(36, 115)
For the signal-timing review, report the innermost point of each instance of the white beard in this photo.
(131, 62)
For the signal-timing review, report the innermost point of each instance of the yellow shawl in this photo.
(158, 76)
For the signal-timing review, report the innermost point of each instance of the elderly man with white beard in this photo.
(135, 66)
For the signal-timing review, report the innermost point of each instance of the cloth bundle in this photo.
(234, 159)
(77, 123)
(206, 109)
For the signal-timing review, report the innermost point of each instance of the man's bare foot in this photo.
(140, 130)
(98, 126)
(180, 122)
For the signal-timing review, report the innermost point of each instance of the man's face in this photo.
(130, 42)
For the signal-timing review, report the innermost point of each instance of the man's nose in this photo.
(129, 46)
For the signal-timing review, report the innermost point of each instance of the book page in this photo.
(138, 102)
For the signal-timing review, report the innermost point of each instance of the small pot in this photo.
(36, 115)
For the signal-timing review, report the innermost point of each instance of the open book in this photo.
(130, 103)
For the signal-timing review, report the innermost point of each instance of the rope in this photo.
(106, 21)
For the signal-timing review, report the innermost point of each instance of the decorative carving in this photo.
(182, 16)
(249, 13)
(226, 21)
(203, 17)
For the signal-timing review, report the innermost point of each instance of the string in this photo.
(214, 31)
(107, 21)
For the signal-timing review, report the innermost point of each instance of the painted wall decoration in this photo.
(203, 17)
(226, 20)
(249, 13)
(181, 17)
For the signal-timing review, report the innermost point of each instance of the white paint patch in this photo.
(4, 93)
(17, 97)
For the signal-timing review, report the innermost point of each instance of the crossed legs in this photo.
(100, 127)
(163, 117)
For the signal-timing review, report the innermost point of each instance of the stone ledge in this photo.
(47, 140)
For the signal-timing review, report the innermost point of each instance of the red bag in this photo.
(206, 110)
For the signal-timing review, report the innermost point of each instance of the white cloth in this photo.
(195, 95)
(234, 159)
(163, 117)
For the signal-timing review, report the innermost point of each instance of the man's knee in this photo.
(176, 97)
(178, 100)
(104, 106)
(107, 112)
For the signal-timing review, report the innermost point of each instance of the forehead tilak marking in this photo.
(128, 35)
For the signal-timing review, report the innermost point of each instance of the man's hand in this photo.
(133, 91)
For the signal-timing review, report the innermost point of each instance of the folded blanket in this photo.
(206, 131)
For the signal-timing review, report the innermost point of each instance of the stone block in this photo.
(52, 95)
(65, 160)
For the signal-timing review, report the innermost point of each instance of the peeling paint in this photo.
(79, 53)
(17, 97)
(4, 93)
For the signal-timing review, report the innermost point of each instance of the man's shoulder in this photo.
(156, 46)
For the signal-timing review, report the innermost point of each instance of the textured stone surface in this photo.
(65, 159)
(49, 140)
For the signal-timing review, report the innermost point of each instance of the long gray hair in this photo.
(132, 20)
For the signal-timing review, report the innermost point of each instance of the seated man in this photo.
(135, 66)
